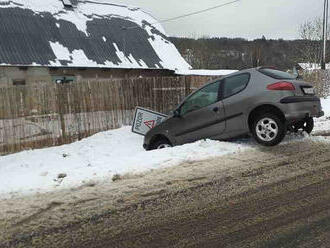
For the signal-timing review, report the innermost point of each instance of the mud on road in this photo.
(266, 197)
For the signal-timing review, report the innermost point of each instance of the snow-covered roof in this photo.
(205, 72)
(92, 33)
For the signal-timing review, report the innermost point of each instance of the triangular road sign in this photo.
(150, 124)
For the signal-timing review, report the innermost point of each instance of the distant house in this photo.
(69, 40)
(312, 66)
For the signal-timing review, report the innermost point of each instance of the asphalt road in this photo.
(278, 197)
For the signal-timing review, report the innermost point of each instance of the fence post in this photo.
(61, 110)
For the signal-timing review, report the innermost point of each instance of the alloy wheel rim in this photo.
(267, 129)
(162, 146)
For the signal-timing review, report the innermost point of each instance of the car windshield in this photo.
(277, 74)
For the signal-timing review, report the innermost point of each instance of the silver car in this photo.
(262, 101)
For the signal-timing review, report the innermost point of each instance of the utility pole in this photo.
(325, 32)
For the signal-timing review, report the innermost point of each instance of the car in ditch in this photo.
(263, 101)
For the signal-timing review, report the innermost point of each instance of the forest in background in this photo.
(238, 53)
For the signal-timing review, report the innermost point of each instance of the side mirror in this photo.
(296, 73)
(176, 113)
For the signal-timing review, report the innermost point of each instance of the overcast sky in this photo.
(248, 19)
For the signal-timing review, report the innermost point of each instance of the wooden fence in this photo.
(48, 115)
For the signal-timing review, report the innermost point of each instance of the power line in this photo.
(198, 12)
(189, 14)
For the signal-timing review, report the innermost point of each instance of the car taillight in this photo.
(281, 86)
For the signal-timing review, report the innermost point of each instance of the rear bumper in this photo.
(295, 99)
(301, 107)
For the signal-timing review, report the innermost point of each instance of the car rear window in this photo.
(277, 74)
(235, 84)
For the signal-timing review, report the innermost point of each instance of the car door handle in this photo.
(215, 109)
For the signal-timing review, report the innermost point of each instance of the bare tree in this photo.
(311, 34)
(311, 30)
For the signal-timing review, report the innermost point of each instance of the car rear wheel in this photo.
(161, 144)
(306, 125)
(268, 129)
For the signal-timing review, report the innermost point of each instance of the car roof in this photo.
(244, 71)
(250, 70)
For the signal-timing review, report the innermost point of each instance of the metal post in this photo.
(325, 33)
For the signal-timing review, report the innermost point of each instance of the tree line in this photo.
(238, 53)
(226, 53)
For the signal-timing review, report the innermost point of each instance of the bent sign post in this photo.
(145, 119)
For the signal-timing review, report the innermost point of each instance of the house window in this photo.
(64, 79)
(18, 82)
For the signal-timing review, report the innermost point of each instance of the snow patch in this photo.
(128, 59)
(61, 52)
(323, 124)
(205, 72)
(96, 158)
(75, 57)
(167, 52)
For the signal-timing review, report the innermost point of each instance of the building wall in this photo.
(10, 76)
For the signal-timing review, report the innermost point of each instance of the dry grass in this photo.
(321, 81)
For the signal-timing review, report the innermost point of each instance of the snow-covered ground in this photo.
(96, 158)
(323, 124)
(106, 154)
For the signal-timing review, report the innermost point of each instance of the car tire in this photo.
(161, 144)
(268, 129)
(306, 125)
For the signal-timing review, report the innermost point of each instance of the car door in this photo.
(234, 101)
(201, 115)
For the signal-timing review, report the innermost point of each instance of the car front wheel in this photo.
(268, 129)
(161, 144)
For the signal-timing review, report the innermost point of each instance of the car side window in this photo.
(235, 84)
(202, 98)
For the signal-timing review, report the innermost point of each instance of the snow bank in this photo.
(326, 106)
(96, 158)
(323, 124)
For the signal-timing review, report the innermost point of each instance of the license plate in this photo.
(309, 91)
